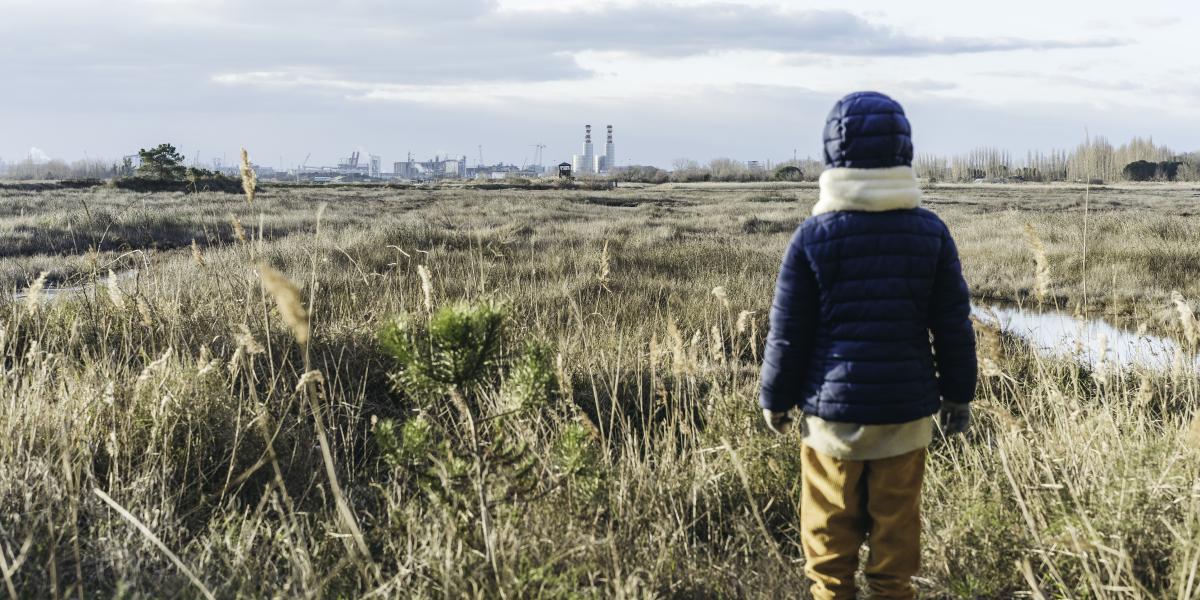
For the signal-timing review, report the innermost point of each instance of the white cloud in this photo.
(185, 69)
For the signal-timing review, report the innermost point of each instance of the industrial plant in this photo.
(361, 166)
(590, 163)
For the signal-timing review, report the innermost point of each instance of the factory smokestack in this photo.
(585, 163)
(610, 153)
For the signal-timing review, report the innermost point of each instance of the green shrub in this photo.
(457, 350)
(532, 382)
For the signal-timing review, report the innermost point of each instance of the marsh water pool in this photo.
(1059, 333)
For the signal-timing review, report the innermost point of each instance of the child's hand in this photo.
(779, 422)
(955, 418)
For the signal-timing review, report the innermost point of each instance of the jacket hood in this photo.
(868, 190)
(867, 130)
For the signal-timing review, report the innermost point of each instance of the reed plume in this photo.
(722, 295)
(287, 298)
(743, 321)
(1187, 319)
(716, 345)
(1192, 437)
(196, 255)
(33, 298)
(989, 354)
(426, 287)
(249, 178)
(114, 291)
(1103, 369)
(144, 311)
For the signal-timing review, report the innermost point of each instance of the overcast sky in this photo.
(747, 79)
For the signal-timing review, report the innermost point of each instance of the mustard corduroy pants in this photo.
(847, 502)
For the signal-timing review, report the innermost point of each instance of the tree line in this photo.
(1095, 160)
(720, 170)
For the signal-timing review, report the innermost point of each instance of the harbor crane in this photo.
(537, 155)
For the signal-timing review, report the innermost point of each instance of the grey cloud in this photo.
(670, 30)
(1108, 85)
(103, 72)
(436, 42)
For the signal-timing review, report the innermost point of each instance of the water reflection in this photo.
(1061, 334)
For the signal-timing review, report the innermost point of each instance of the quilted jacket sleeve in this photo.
(790, 339)
(950, 324)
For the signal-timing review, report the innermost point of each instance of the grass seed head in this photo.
(238, 231)
(114, 291)
(144, 312)
(605, 272)
(196, 255)
(249, 178)
(722, 295)
(287, 298)
(1192, 437)
(33, 298)
(1187, 319)
(743, 321)
(426, 287)
(716, 345)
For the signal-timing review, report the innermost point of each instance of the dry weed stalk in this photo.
(1187, 319)
(1041, 275)
(144, 311)
(679, 361)
(721, 295)
(238, 231)
(158, 365)
(249, 178)
(989, 350)
(1103, 370)
(196, 255)
(287, 298)
(1145, 393)
(605, 268)
(1192, 437)
(154, 539)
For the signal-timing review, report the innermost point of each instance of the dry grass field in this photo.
(514, 393)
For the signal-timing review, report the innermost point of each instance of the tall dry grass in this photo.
(235, 412)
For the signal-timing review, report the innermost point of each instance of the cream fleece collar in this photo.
(868, 190)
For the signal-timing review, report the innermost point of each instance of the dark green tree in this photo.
(1139, 170)
(789, 173)
(161, 162)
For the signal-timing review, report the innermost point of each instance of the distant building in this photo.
(584, 164)
(437, 168)
(590, 163)
(610, 153)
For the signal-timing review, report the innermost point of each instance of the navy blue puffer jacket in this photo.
(871, 318)
(858, 297)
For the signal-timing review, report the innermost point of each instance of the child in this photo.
(870, 336)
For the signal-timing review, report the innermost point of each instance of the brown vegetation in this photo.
(466, 393)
